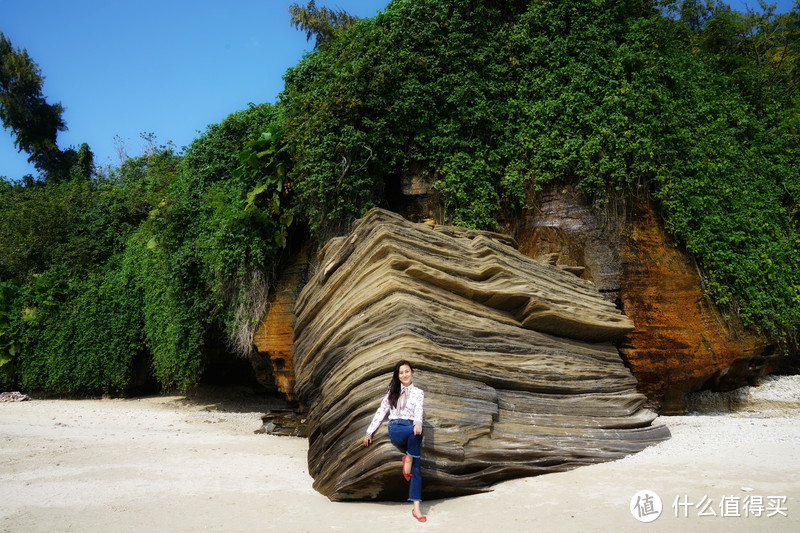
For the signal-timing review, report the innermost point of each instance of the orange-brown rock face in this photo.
(680, 343)
(272, 361)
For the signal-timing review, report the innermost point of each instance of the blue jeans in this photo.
(401, 433)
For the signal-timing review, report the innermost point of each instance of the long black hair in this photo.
(394, 385)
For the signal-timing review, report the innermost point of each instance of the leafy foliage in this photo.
(497, 99)
(86, 342)
(228, 217)
(735, 203)
(76, 316)
(35, 123)
(322, 22)
(23, 108)
(9, 328)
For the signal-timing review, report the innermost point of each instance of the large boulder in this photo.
(514, 355)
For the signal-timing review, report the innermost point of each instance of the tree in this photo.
(695, 13)
(322, 22)
(24, 109)
(760, 49)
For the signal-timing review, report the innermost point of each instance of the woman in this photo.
(403, 401)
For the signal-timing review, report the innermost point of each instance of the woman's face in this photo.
(405, 373)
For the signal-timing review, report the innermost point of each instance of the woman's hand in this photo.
(367, 441)
(417, 429)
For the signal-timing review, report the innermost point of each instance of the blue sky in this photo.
(168, 67)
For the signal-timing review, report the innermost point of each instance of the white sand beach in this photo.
(172, 464)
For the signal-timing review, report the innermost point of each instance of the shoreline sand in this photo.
(171, 464)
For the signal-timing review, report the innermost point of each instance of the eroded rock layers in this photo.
(514, 356)
(682, 342)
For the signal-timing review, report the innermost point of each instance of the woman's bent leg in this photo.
(399, 435)
(403, 437)
(413, 445)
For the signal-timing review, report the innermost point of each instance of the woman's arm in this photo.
(377, 419)
(418, 412)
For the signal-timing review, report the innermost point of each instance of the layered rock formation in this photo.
(514, 356)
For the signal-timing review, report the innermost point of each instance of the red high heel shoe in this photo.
(422, 518)
(407, 476)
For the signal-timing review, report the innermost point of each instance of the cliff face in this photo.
(272, 358)
(681, 342)
(514, 356)
(563, 224)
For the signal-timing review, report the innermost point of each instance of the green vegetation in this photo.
(35, 123)
(142, 266)
(322, 23)
(153, 263)
(496, 99)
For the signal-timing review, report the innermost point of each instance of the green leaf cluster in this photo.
(323, 23)
(149, 265)
(230, 213)
(496, 99)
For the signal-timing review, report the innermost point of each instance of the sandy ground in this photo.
(177, 464)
